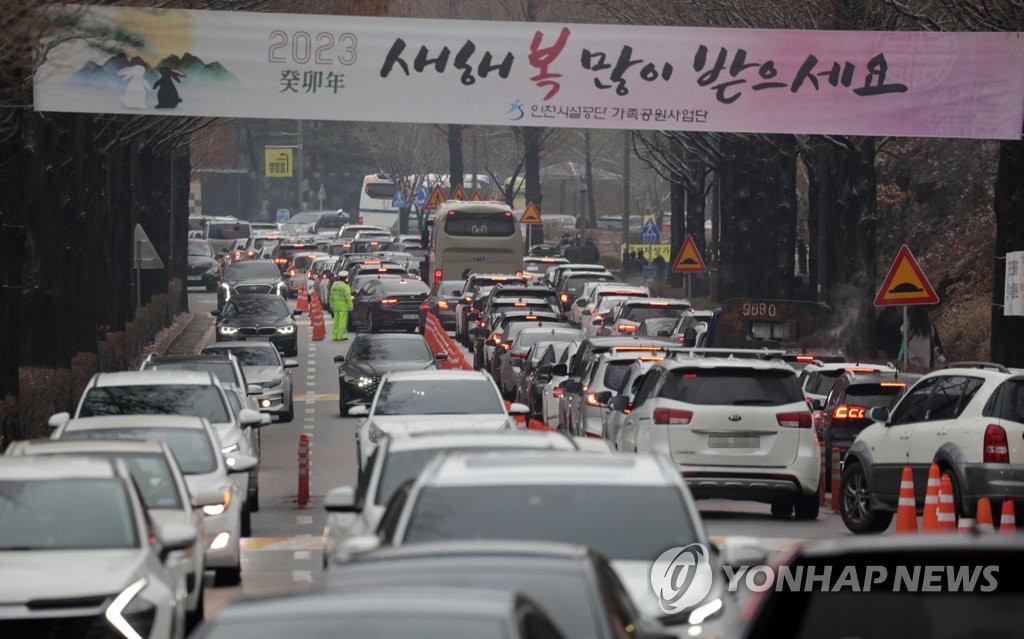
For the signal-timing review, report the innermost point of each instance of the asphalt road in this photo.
(284, 553)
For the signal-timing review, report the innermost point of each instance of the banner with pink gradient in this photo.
(262, 65)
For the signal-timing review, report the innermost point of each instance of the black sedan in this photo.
(259, 318)
(203, 267)
(249, 277)
(370, 356)
(441, 302)
(388, 303)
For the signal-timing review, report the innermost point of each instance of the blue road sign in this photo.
(649, 233)
(399, 200)
(421, 197)
(282, 216)
(650, 271)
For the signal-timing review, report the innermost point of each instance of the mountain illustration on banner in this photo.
(111, 74)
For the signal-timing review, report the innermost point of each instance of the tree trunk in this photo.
(456, 169)
(532, 137)
(758, 217)
(1007, 344)
(588, 179)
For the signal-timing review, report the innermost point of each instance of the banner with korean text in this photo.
(263, 65)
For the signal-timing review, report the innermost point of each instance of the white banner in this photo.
(261, 65)
(1013, 288)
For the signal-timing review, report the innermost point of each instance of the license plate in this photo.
(195, 278)
(411, 316)
(730, 441)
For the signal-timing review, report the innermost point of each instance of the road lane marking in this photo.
(304, 520)
(317, 397)
(310, 411)
(302, 576)
(308, 427)
(301, 555)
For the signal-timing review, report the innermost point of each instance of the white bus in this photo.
(375, 201)
(474, 237)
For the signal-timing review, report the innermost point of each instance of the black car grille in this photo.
(252, 331)
(197, 270)
(407, 307)
(268, 331)
(254, 289)
(93, 627)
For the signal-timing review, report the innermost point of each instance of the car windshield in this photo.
(252, 270)
(648, 519)
(199, 247)
(735, 386)
(190, 446)
(224, 371)
(191, 400)
(249, 355)
(228, 231)
(66, 514)
(389, 349)
(273, 307)
(362, 625)
(435, 397)
(641, 313)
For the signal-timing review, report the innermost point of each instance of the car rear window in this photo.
(615, 374)
(735, 386)
(381, 190)
(821, 382)
(640, 313)
(228, 231)
(875, 394)
(469, 224)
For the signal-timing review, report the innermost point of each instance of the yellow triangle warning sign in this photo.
(436, 199)
(476, 197)
(689, 259)
(531, 215)
(459, 194)
(906, 283)
(496, 196)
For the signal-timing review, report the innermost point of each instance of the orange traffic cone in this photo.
(316, 320)
(931, 501)
(906, 512)
(984, 523)
(1007, 520)
(965, 525)
(945, 519)
(301, 300)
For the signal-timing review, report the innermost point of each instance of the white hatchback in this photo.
(737, 429)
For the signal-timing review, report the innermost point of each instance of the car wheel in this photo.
(246, 520)
(373, 322)
(287, 417)
(228, 576)
(254, 494)
(782, 509)
(855, 503)
(807, 507)
(195, 617)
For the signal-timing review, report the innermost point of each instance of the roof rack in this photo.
(760, 353)
(991, 365)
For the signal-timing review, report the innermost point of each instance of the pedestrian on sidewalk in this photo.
(341, 304)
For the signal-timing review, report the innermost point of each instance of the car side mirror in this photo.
(338, 359)
(619, 403)
(598, 321)
(356, 546)
(742, 551)
(664, 334)
(816, 405)
(291, 363)
(490, 342)
(207, 497)
(581, 303)
(174, 537)
(250, 417)
(341, 500)
(572, 386)
(240, 463)
(296, 313)
(359, 410)
(560, 370)
(879, 414)
(475, 331)
(441, 357)
(603, 397)
(215, 313)
(517, 409)
(57, 420)
(253, 389)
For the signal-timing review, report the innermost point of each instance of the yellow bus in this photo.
(474, 237)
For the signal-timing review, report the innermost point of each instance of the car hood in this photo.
(263, 281)
(636, 575)
(254, 374)
(206, 482)
(227, 434)
(201, 260)
(67, 574)
(378, 367)
(422, 423)
(256, 320)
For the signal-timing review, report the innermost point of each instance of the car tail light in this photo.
(672, 417)
(517, 355)
(893, 385)
(626, 328)
(652, 359)
(496, 337)
(438, 275)
(292, 272)
(805, 358)
(997, 449)
(849, 412)
(598, 318)
(659, 304)
(801, 419)
(238, 255)
(860, 370)
(519, 273)
(563, 297)
(591, 400)
(519, 304)
(424, 307)
(442, 304)
(388, 300)
(280, 260)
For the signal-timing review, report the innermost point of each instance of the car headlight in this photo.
(227, 330)
(274, 383)
(233, 448)
(218, 509)
(375, 433)
(132, 616)
(702, 613)
(285, 330)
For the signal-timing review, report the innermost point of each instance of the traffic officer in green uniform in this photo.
(341, 304)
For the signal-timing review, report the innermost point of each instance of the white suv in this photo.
(737, 428)
(967, 418)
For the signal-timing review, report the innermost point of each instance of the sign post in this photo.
(530, 217)
(145, 258)
(322, 195)
(649, 235)
(905, 285)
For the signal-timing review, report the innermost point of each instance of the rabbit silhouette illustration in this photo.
(167, 94)
(134, 96)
